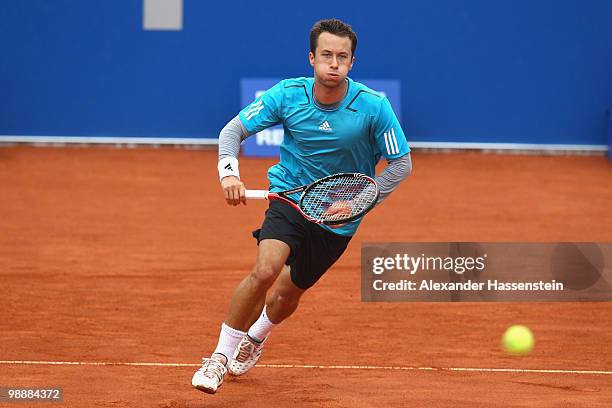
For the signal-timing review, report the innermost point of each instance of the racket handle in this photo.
(256, 194)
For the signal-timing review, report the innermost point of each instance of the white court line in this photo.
(321, 367)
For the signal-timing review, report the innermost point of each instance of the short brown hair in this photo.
(332, 26)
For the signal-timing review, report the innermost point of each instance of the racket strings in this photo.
(340, 198)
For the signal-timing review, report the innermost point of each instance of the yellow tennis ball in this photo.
(518, 340)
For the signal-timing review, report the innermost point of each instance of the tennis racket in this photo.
(332, 200)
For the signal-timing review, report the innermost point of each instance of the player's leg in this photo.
(249, 297)
(245, 305)
(317, 253)
(281, 302)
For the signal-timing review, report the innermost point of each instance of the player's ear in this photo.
(311, 58)
(352, 62)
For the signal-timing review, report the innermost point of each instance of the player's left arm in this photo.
(397, 170)
(391, 142)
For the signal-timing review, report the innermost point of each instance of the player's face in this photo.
(332, 59)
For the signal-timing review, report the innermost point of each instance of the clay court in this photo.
(117, 266)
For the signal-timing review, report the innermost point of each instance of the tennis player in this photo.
(332, 124)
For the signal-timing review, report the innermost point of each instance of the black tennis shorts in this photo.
(313, 249)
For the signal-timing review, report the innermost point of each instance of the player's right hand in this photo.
(233, 190)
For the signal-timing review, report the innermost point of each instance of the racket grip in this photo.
(256, 194)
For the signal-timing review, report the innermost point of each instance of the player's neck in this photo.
(329, 96)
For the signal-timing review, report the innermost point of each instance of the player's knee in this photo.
(285, 300)
(263, 275)
(288, 302)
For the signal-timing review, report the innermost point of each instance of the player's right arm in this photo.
(264, 112)
(229, 146)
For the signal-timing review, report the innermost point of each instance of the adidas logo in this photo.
(325, 126)
(228, 167)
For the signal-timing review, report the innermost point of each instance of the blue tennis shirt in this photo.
(318, 142)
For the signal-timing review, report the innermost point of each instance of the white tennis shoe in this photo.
(246, 356)
(209, 377)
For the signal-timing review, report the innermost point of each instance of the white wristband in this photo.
(228, 166)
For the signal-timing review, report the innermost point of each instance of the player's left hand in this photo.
(342, 208)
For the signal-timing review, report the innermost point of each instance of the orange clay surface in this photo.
(130, 256)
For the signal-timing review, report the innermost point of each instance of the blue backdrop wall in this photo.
(519, 71)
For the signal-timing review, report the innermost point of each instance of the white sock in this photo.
(228, 341)
(261, 328)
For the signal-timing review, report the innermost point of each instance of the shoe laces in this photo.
(249, 347)
(245, 350)
(213, 368)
